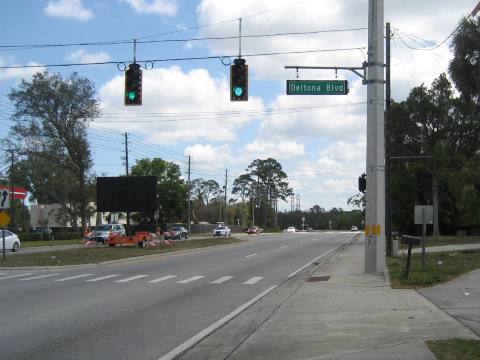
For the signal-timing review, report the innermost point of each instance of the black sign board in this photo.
(132, 193)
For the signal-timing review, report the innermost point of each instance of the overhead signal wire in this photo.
(182, 59)
(123, 42)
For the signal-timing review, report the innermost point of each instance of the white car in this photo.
(221, 230)
(12, 242)
(354, 228)
(291, 229)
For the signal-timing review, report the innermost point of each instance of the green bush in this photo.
(30, 236)
(67, 235)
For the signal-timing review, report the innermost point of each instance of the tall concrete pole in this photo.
(189, 197)
(375, 210)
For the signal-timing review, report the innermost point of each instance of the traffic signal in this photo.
(133, 85)
(362, 183)
(239, 80)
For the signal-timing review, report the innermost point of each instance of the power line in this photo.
(123, 42)
(152, 61)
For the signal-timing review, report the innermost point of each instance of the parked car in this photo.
(101, 233)
(291, 229)
(176, 233)
(254, 230)
(221, 230)
(12, 242)
(354, 228)
(45, 230)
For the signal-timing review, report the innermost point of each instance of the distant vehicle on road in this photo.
(221, 230)
(176, 233)
(12, 242)
(291, 229)
(101, 233)
(354, 228)
(253, 230)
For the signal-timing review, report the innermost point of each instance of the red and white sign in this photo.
(18, 192)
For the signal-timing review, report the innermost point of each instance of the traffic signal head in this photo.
(133, 85)
(239, 80)
(362, 183)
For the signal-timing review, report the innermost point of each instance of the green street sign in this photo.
(317, 87)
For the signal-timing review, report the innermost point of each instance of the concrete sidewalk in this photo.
(347, 315)
(442, 248)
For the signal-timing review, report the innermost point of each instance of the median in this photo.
(95, 255)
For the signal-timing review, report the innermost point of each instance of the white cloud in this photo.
(178, 106)
(83, 57)
(162, 7)
(207, 157)
(68, 9)
(260, 149)
(17, 73)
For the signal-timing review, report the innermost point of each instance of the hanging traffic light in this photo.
(239, 80)
(362, 183)
(133, 85)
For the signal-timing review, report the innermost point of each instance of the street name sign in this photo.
(317, 87)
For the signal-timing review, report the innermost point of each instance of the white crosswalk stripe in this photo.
(74, 277)
(39, 277)
(102, 278)
(222, 280)
(253, 280)
(163, 278)
(193, 278)
(15, 276)
(131, 278)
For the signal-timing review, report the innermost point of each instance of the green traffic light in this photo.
(131, 95)
(238, 91)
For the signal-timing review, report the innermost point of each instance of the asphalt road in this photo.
(144, 309)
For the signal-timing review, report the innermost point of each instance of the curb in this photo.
(118, 261)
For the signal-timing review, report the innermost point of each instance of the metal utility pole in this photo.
(126, 173)
(226, 182)
(298, 202)
(12, 207)
(292, 203)
(375, 196)
(189, 196)
(388, 193)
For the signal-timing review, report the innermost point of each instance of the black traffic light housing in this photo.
(133, 85)
(362, 183)
(239, 80)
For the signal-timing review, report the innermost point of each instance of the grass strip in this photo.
(445, 240)
(105, 253)
(439, 268)
(455, 349)
(30, 244)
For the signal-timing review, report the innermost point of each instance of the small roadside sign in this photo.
(4, 199)
(4, 219)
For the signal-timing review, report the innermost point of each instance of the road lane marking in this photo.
(193, 278)
(253, 280)
(250, 255)
(74, 277)
(15, 276)
(311, 262)
(172, 354)
(283, 247)
(131, 278)
(103, 277)
(222, 280)
(163, 278)
(38, 277)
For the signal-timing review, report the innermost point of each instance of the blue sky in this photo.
(319, 140)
